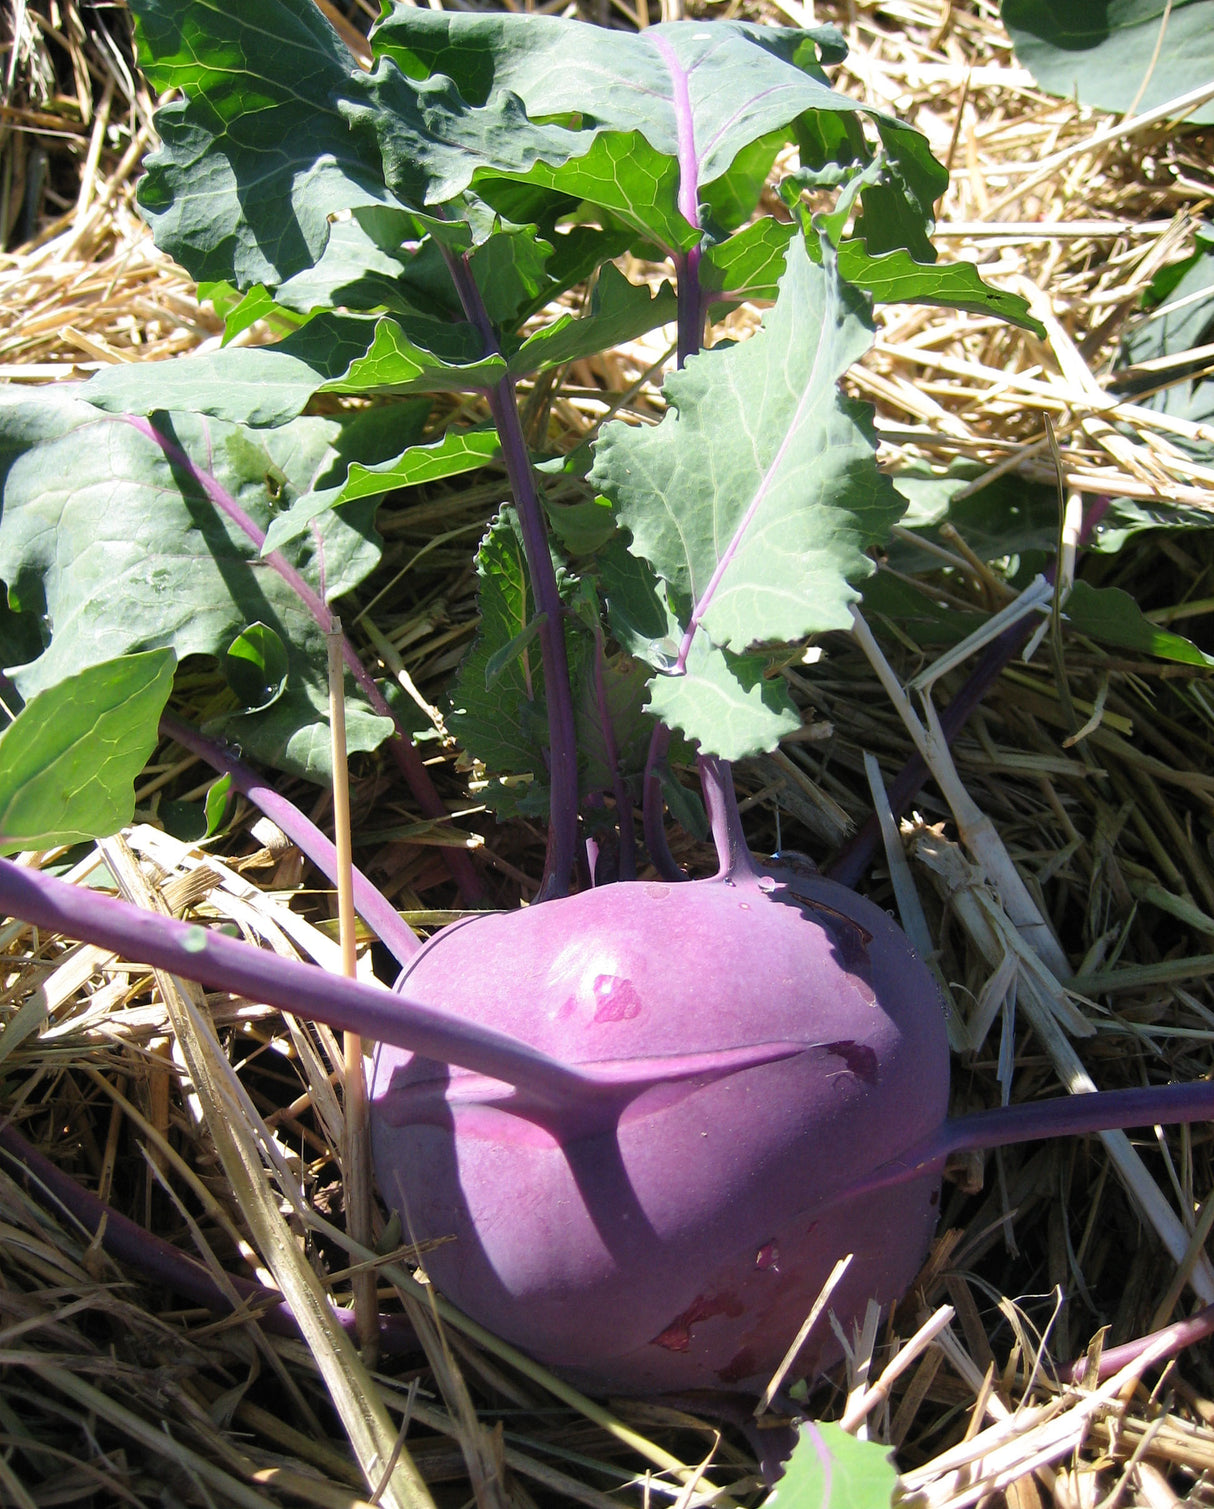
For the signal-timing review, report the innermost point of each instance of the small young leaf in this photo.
(455, 452)
(830, 1469)
(256, 667)
(619, 311)
(1113, 617)
(69, 760)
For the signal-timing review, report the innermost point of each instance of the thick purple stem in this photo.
(733, 852)
(623, 801)
(1170, 1340)
(562, 735)
(687, 264)
(1042, 1120)
(376, 912)
(571, 1101)
(223, 963)
(161, 1263)
(653, 805)
(402, 747)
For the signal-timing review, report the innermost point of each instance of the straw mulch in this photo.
(1092, 766)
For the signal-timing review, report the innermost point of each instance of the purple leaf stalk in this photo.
(404, 751)
(562, 737)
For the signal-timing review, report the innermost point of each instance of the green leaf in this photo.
(748, 266)
(255, 665)
(730, 200)
(1183, 321)
(899, 212)
(1113, 617)
(895, 277)
(259, 156)
(255, 385)
(1103, 53)
(193, 822)
(121, 550)
(727, 702)
(455, 452)
(270, 385)
(830, 1469)
(634, 181)
(498, 711)
(69, 760)
(511, 651)
(742, 81)
(758, 495)
(420, 356)
(919, 616)
(619, 311)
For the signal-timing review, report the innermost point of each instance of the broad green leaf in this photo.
(1182, 321)
(758, 494)
(1102, 52)
(1010, 518)
(748, 266)
(263, 150)
(731, 200)
(498, 711)
(920, 617)
(830, 1469)
(895, 277)
(455, 452)
(420, 357)
(254, 385)
(511, 651)
(122, 551)
(69, 760)
(634, 181)
(722, 84)
(900, 211)
(619, 311)
(270, 385)
(1113, 617)
(1006, 518)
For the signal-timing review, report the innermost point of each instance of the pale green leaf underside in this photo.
(758, 494)
(830, 1469)
(69, 760)
(725, 702)
(270, 385)
(122, 553)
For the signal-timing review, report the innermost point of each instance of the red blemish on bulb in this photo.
(615, 999)
(677, 1335)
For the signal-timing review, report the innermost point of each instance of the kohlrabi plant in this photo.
(653, 1113)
